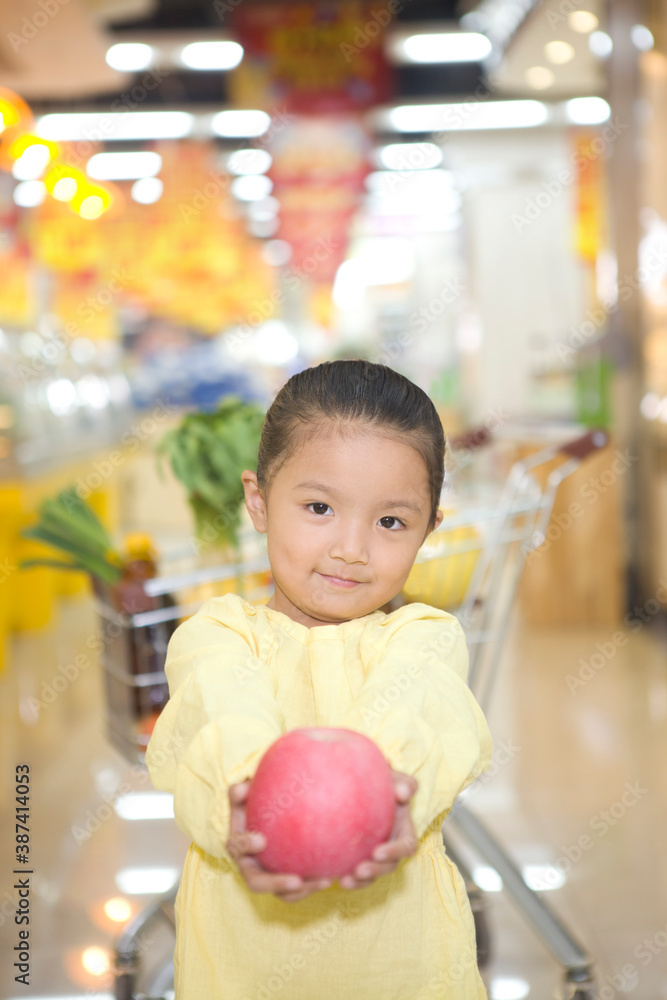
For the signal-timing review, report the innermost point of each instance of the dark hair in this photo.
(343, 392)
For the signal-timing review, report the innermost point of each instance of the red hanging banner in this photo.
(314, 57)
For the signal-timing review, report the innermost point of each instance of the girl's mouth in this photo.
(340, 582)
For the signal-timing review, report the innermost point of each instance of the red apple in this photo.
(323, 798)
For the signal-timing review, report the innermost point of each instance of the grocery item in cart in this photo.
(145, 645)
(442, 580)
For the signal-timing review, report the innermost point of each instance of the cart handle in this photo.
(479, 437)
(582, 447)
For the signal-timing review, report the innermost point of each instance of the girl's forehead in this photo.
(361, 439)
(376, 452)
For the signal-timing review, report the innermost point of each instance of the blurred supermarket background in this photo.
(198, 200)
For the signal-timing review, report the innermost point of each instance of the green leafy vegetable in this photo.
(68, 523)
(208, 452)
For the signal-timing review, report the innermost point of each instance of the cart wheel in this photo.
(581, 990)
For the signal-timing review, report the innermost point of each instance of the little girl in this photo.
(349, 475)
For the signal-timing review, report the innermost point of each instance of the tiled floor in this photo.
(580, 784)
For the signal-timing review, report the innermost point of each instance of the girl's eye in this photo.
(389, 517)
(318, 504)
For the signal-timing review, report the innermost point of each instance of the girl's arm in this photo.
(416, 706)
(221, 717)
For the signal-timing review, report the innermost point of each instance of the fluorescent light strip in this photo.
(115, 126)
(410, 156)
(442, 47)
(211, 55)
(129, 57)
(467, 116)
(124, 166)
(587, 110)
(239, 124)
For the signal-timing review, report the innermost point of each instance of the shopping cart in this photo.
(487, 533)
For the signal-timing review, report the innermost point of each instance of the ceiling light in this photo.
(249, 161)
(212, 55)
(264, 228)
(145, 805)
(587, 110)
(32, 162)
(65, 189)
(349, 287)
(123, 166)
(110, 126)
(460, 117)
(91, 207)
(263, 209)
(389, 183)
(383, 260)
(91, 200)
(29, 194)
(146, 881)
(129, 56)
(252, 187)
(240, 124)
(410, 156)
(273, 343)
(600, 44)
(147, 190)
(450, 47)
(277, 253)
(558, 52)
(539, 77)
(582, 21)
(641, 37)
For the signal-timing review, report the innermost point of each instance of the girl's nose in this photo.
(351, 545)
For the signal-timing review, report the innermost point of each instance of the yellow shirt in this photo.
(240, 675)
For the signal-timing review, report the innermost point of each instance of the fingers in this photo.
(259, 880)
(289, 888)
(245, 843)
(405, 786)
(309, 887)
(386, 857)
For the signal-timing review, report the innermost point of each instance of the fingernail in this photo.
(257, 840)
(293, 883)
(403, 790)
(380, 855)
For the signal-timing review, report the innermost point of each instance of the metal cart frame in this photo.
(513, 524)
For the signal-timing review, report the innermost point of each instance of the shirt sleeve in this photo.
(416, 706)
(221, 716)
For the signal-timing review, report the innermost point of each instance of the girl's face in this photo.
(352, 508)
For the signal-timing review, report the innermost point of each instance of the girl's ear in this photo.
(438, 521)
(254, 500)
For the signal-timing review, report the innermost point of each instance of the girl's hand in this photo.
(401, 844)
(243, 844)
